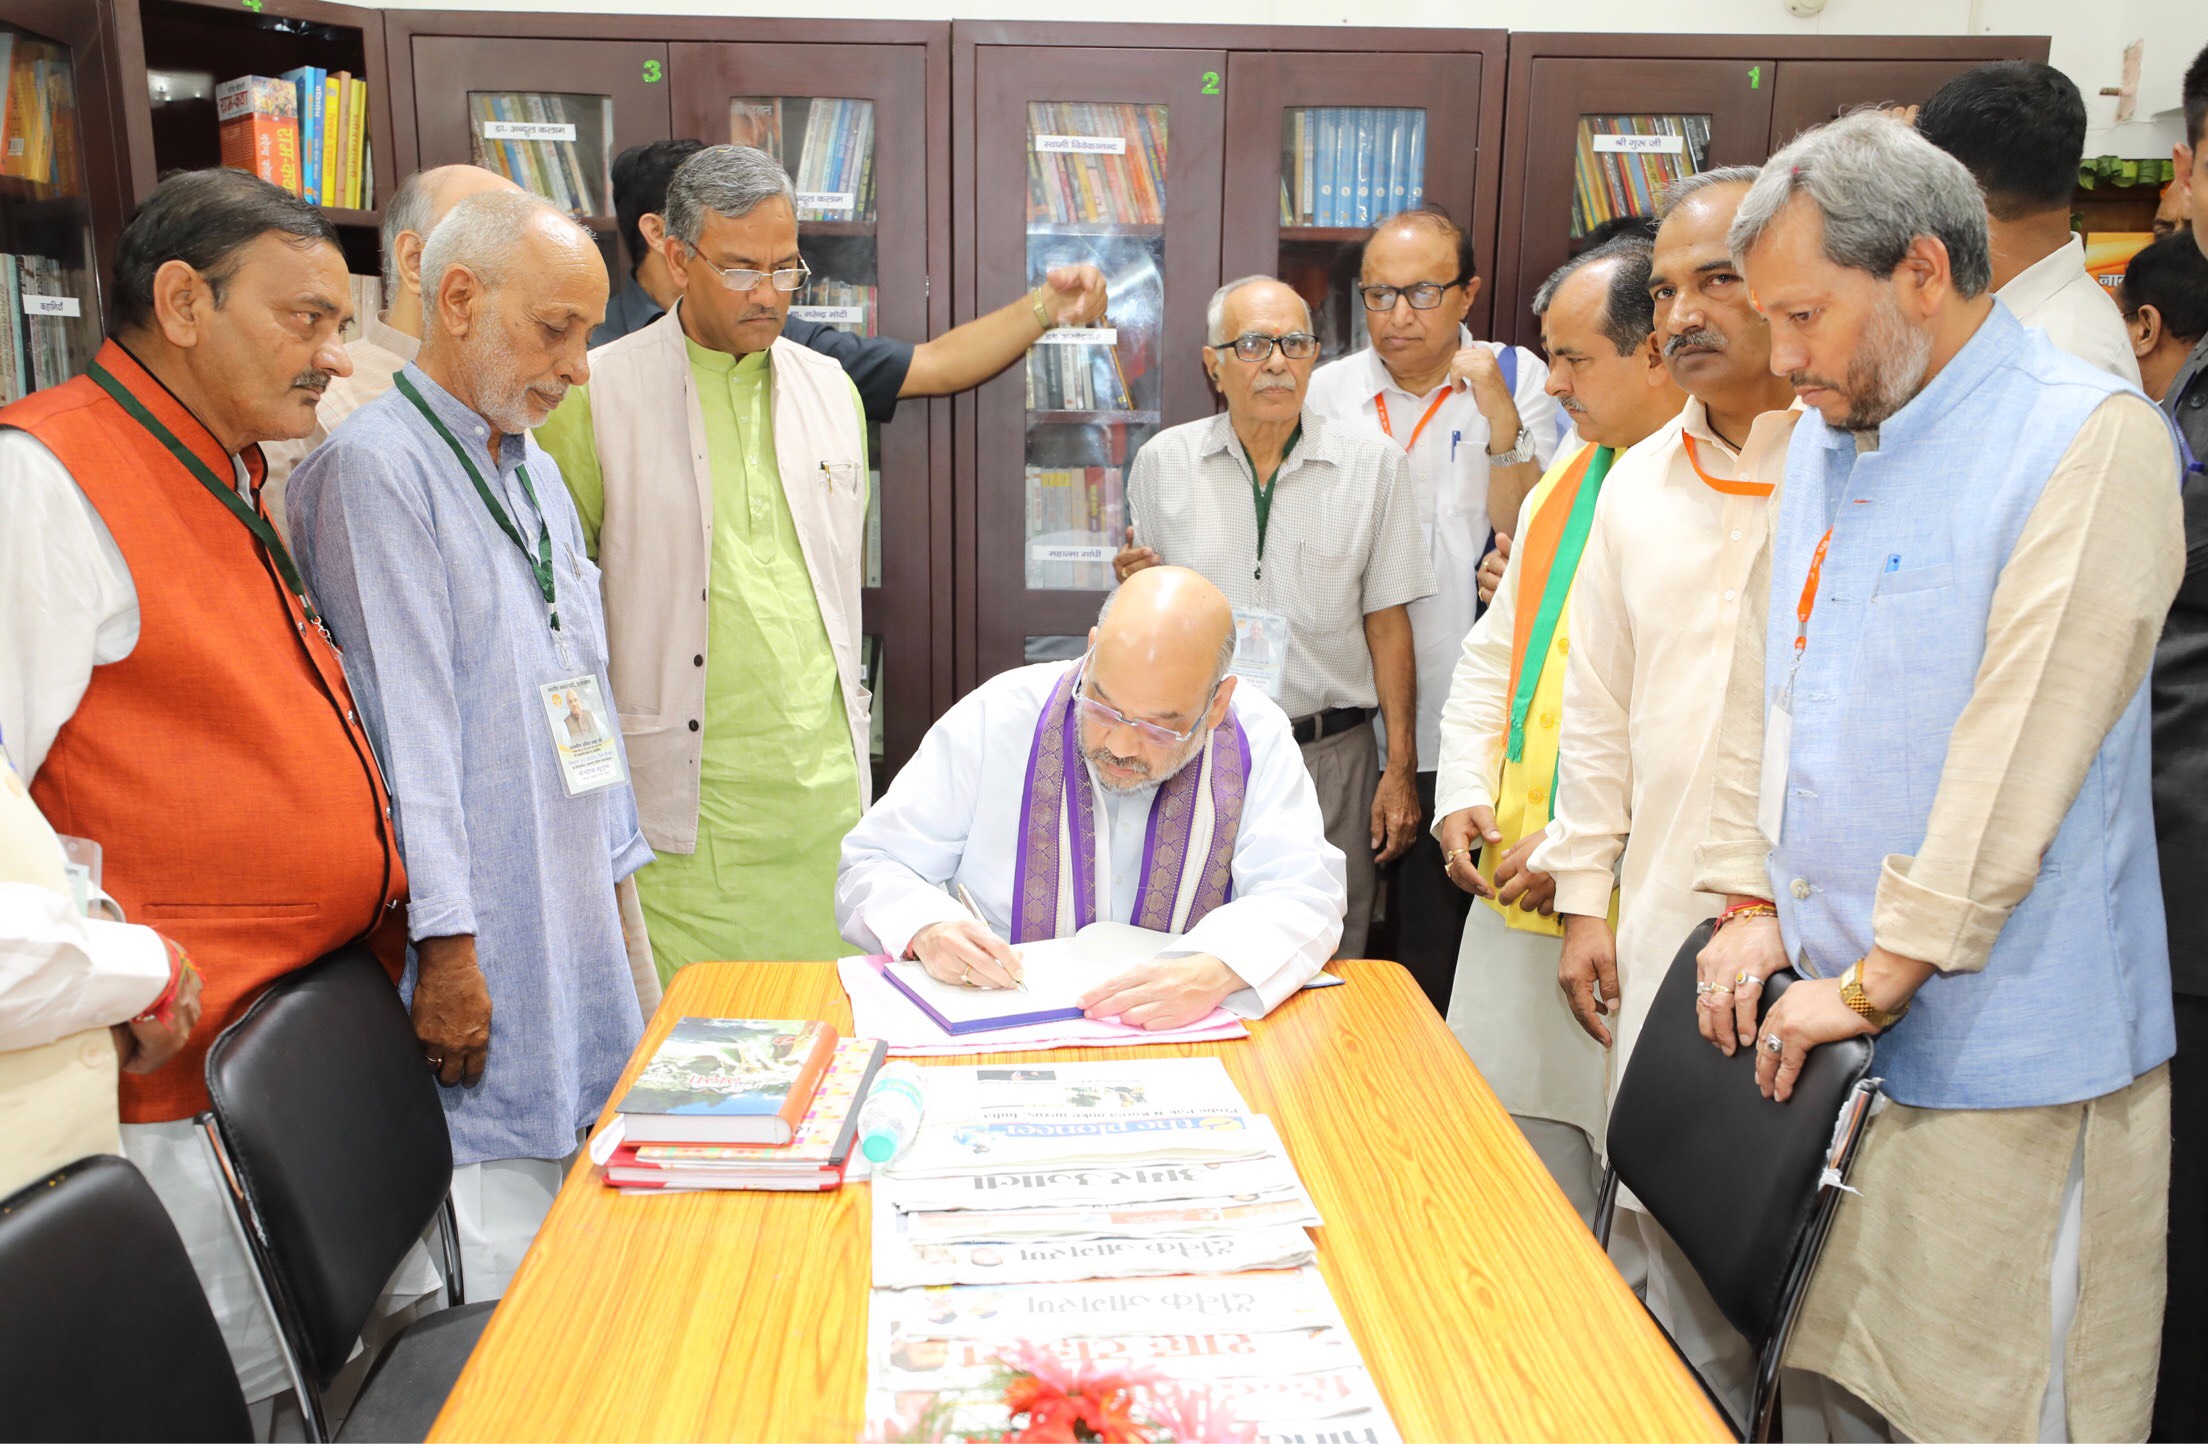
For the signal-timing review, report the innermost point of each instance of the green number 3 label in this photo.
(1211, 83)
(651, 72)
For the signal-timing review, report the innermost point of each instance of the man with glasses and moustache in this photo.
(1144, 784)
(1310, 528)
(1478, 428)
(720, 473)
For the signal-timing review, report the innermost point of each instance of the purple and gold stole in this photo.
(1187, 853)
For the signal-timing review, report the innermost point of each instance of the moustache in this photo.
(1806, 381)
(1263, 386)
(315, 381)
(1707, 339)
(1571, 404)
(763, 313)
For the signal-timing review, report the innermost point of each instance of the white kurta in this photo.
(1653, 606)
(953, 816)
(2058, 295)
(1449, 470)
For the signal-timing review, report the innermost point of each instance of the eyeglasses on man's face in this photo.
(1255, 346)
(741, 281)
(1111, 718)
(1423, 295)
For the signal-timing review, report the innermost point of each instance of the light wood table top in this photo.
(1482, 1306)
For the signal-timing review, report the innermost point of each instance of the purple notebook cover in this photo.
(980, 1025)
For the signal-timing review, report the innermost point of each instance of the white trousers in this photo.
(1673, 1291)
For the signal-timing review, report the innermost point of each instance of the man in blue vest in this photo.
(1933, 801)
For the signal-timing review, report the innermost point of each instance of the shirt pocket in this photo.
(1906, 608)
(1325, 589)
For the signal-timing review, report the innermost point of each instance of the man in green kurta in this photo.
(777, 771)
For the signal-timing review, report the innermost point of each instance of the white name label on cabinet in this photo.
(1080, 336)
(51, 306)
(1659, 144)
(527, 130)
(829, 315)
(845, 201)
(1081, 145)
(1053, 552)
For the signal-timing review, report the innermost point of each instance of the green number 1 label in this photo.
(1211, 83)
(651, 72)
(1755, 77)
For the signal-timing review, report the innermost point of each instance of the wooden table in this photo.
(1482, 1306)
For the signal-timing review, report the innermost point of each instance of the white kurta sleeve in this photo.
(1593, 808)
(62, 974)
(1289, 888)
(67, 603)
(1475, 720)
(890, 878)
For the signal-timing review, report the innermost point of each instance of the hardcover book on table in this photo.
(814, 1159)
(728, 1080)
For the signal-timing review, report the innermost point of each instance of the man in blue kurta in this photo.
(449, 562)
(1933, 801)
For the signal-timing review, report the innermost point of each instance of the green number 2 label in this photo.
(1211, 83)
(651, 72)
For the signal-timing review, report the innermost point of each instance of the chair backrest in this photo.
(337, 1136)
(104, 1330)
(1732, 1177)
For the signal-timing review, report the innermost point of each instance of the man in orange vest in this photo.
(165, 686)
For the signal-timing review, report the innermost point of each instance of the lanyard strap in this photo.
(541, 562)
(1261, 493)
(225, 492)
(1808, 602)
(1730, 488)
(1562, 567)
(1380, 404)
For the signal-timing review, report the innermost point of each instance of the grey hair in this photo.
(483, 232)
(1221, 665)
(407, 210)
(1628, 315)
(1879, 185)
(726, 180)
(1683, 189)
(1215, 313)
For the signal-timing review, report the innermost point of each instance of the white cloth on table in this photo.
(953, 816)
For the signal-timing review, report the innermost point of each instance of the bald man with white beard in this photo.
(386, 342)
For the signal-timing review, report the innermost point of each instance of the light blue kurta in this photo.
(446, 645)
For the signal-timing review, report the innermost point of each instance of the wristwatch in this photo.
(1851, 993)
(1521, 450)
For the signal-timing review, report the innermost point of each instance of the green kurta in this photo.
(778, 783)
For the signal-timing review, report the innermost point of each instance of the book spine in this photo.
(1415, 162)
(359, 189)
(807, 1082)
(1324, 146)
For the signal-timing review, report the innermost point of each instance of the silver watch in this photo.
(1521, 450)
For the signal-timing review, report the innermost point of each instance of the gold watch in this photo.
(1042, 315)
(1851, 993)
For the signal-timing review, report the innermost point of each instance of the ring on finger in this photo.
(1773, 1044)
(1746, 980)
(966, 976)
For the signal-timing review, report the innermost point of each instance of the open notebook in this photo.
(1059, 971)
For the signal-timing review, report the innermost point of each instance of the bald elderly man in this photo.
(1191, 807)
(419, 527)
(386, 342)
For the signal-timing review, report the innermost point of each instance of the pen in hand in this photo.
(966, 899)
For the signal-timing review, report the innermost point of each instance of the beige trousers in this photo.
(1345, 769)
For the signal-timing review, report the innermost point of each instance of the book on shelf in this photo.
(1075, 519)
(814, 1158)
(1092, 162)
(258, 119)
(305, 130)
(38, 114)
(1624, 162)
(531, 139)
(37, 347)
(1351, 165)
(834, 178)
(845, 305)
(728, 1080)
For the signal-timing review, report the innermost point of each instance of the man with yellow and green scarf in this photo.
(1500, 729)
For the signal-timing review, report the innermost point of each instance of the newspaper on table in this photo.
(902, 1262)
(1013, 1187)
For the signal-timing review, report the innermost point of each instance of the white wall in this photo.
(2088, 36)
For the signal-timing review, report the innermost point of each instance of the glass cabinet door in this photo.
(558, 145)
(1122, 164)
(49, 272)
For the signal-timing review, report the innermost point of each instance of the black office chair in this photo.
(104, 1330)
(327, 1127)
(1741, 1184)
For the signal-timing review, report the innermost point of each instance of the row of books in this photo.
(38, 117)
(305, 130)
(1351, 165)
(1626, 161)
(531, 140)
(1077, 378)
(1076, 518)
(1110, 1226)
(845, 305)
(744, 1103)
(37, 348)
(1095, 162)
(834, 173)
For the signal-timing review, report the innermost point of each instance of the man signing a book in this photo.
(1136, 784)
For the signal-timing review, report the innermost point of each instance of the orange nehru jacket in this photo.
(220, 766)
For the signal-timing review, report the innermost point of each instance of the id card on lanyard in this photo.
(1778, 726)
(574, 711)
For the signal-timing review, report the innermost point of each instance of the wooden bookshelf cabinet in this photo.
(1724, 99)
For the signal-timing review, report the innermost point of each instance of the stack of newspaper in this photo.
(1105, 1214)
